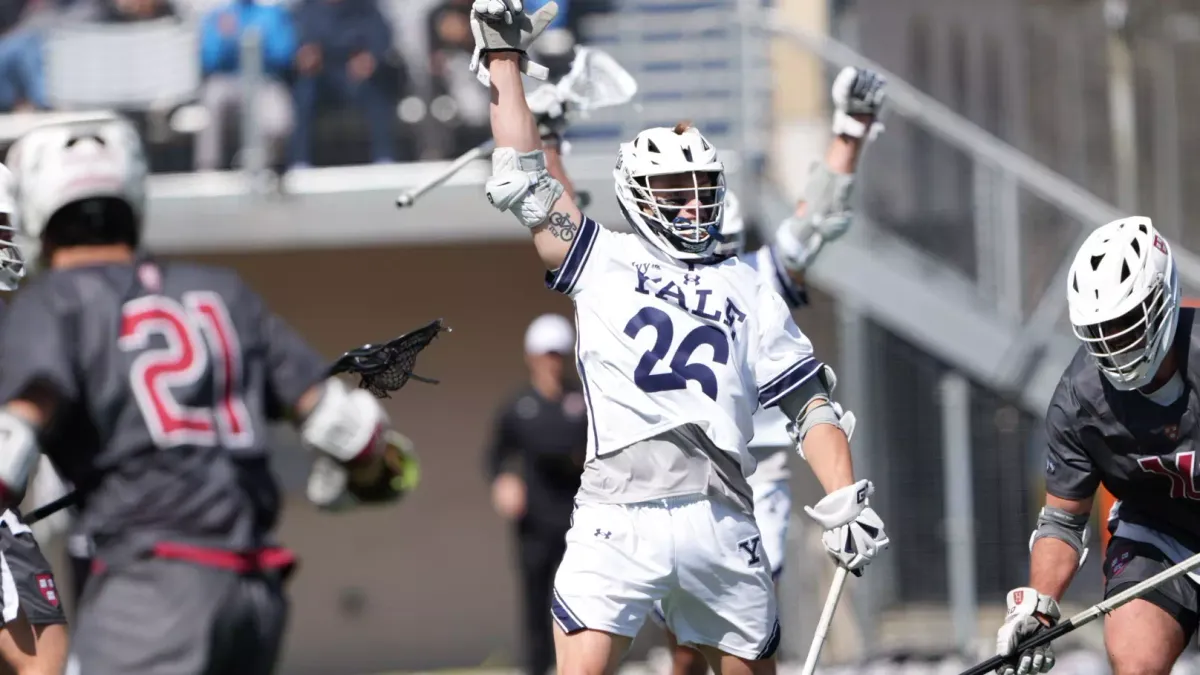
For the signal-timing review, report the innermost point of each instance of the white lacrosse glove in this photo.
(1025, 605)
(857, 91)
(853, 531)
(549, 108)
(503, 26)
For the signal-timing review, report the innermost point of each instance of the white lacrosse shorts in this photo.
(701, 558)
(773, 511)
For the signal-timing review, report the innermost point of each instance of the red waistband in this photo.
(243, 562)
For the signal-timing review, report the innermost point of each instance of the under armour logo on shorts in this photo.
(751, 548)
(603, 534)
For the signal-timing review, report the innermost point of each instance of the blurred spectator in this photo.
(450, 45)
(535, 462)
(220, 48)
(342, 45)
(22, 82)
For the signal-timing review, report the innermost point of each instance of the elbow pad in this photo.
(18, 455)
(1056, 523)
(521, 184)
(825, 410)
(346, 425)
(827, 216)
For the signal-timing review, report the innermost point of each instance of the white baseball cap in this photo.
(550, 333)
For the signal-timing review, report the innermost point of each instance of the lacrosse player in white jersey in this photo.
(676, 350)
(822, 216)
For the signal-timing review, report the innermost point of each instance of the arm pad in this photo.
(346, 425)
(826, 217)
(521, 184)
(1056, 523)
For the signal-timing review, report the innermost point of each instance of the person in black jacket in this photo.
(535, 461)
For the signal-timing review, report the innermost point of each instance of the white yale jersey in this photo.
(663, 343)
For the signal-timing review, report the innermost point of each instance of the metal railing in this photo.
(1004, 180)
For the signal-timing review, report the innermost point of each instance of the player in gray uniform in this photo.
(33, 637)
(1123, 416)
(150, 387)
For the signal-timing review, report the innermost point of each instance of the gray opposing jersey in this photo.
(167, 376)
(1142, 452)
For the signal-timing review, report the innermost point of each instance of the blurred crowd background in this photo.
(338, 82)
(1015, 126)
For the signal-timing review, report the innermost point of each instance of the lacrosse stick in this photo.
(1088, 615)
(381, 368)
(831, 603)
(594, 81)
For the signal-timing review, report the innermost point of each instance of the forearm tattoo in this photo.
(561, 227)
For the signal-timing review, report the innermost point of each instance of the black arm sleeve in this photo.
(36, 339)
(502, 453)
(1070, 473)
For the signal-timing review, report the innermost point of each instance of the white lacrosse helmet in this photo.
(60, 164)
(671, 188)
(733, 229)
(12, 262)
(1123, 295)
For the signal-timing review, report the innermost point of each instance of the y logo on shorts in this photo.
(751, 548)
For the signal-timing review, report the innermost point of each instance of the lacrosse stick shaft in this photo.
(1088, 615)
(50, 508)
(831, 603)
(407, 199)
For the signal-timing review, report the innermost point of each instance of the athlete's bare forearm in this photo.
(1052, 562)
(513, 125)
(828, 453)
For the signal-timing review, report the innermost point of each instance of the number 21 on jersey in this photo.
(201, 343)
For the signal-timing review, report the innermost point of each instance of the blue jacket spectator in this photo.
(221, 34)
(222, 29)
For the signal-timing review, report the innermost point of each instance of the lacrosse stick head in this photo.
(387, 367)
(596, 80)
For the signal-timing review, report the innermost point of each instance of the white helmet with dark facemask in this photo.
(12, 262)
(1123, 295)
(671, 188)
(87, 162)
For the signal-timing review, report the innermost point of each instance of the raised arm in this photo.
(520, 181)
(823, 214)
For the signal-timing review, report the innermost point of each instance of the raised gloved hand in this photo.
(333, 486)
(1029, 613)
(503, 26)
(853, 531)
(549, 108)
(858, 91)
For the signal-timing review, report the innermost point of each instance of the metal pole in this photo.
(1121, 103)
(869, 593)
(960, 515)
(254, 154)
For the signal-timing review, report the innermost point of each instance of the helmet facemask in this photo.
(12, 262)
(1129, 349)
(684, 208)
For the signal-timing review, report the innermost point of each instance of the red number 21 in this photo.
(201, 342)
